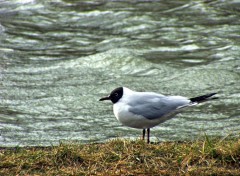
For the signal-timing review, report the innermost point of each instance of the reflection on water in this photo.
(58, 58)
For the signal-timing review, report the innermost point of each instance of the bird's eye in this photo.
(116, 94)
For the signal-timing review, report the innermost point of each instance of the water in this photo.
(58, 58)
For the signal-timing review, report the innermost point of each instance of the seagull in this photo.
(144, 110)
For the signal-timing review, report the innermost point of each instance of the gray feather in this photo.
(153, 106)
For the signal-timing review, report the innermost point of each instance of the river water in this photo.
(57, 58)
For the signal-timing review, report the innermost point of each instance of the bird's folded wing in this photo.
(154, 107)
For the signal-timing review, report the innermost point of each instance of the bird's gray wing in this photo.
(153, 106)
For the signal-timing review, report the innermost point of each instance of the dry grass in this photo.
(124, 157)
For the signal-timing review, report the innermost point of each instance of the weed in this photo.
(124, 157)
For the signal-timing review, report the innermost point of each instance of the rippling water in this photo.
(58, 58)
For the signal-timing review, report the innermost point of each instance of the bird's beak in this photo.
(104, 98)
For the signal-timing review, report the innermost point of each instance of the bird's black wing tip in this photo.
(204, 98)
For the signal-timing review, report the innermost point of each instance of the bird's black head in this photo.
(114, 96)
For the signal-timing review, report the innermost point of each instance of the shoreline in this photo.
(125, 157)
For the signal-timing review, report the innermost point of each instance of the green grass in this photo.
(125, 157)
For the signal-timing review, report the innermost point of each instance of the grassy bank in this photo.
(124, 157)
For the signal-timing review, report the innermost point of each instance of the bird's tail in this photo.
(203, 98)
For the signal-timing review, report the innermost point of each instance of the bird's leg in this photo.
(148, 135)
(143, 135)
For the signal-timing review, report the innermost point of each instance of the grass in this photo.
(125, 157)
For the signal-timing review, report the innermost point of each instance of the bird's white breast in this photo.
(132, 120)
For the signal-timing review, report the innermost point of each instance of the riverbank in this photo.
(125, 157)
